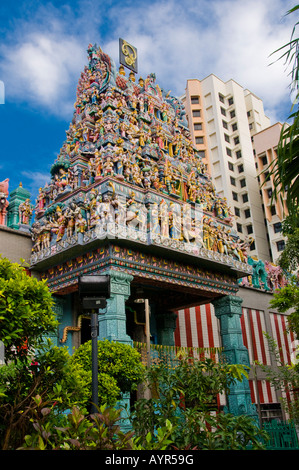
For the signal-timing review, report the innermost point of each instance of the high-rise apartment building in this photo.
(223, 119)
(264, 147)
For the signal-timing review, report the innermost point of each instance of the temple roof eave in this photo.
(205, 259)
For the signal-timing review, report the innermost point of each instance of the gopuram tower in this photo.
(129, 197)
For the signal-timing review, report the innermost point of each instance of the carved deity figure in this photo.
(25, 212)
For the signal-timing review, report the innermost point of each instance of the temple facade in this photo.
(129, 196)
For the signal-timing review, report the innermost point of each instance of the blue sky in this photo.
(43, 51)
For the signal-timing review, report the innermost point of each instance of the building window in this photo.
(240, 168)
(224, 124)
(237, 211)
(264, 160)
(280, 245)
(201, 153)
(277, 227)
(247, 213)
(248, 113)
(232, 114)
(221, 97)
(223, 111)
(245, 197)
(269, 192)
(235, 196)
(233, 181)
(239, 228)
(230, 166)
(238, 154)
(234, 127)
(194, 99)
(196, 112)
(199, 140)
(252, 246)
(267, 176)
(198, 126)
(230, 101)
(226, 137)
(243, 183)
(271, 411)
(228, 152)
(249, 229)
(236, 140)
(273, 210)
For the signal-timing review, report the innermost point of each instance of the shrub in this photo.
(119, 369)
(51, 376)
(185, 395)
(99, 431)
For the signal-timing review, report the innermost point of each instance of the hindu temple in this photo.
(129, 196)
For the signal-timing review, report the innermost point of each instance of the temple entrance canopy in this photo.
(129, 196)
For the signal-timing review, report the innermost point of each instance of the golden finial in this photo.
(132, 76)
(122, 70)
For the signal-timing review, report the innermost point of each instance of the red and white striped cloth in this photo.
(198, 327)
(284, 339)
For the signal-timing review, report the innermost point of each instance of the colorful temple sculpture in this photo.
(17, 212)
(129, 196)
(3, 201)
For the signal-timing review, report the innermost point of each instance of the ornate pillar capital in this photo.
(228, 305)
(120, 282)
(112, 321)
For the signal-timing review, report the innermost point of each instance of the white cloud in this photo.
(41, 69)
(229, 38)
(35, 180)
(37, 177)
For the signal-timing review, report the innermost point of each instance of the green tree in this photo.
(26, 314)
(287, 299)
(285, 169)
(285, 173)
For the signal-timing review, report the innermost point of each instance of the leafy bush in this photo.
(51, 376)
(185, 395)
(99, 431)
(119, 369)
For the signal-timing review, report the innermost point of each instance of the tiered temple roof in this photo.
(129, 169)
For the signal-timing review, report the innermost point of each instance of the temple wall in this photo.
(15, 244)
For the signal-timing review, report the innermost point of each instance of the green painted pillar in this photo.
(112, 320)
(166, 325)
(112, 326)
(228, 310)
